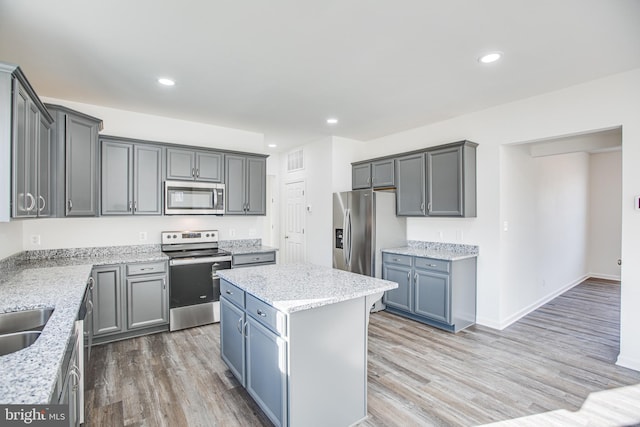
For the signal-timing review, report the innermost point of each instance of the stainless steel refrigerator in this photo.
(364, 222)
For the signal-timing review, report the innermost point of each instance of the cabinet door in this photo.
(45, 160)
(410, 182)
(81, 166)
(180, 164)
(444, 182)
(21, 201)
(107, 300)
(232, 344)
(266, 367)
(401, 297)
(361, 176)
(234, 170)
(147, 301)
(256, 193)
(117, 169)
(208, 167)
(432, 295)
(147, 182)
(382, 173)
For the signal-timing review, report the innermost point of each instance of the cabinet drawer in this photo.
(232, 293)
(259, 258)
(433, 264)
(397, 259)
(266, 315)
(146, 268)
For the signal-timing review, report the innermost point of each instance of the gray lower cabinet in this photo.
(246, 185)
(75, 137)
(436, 292)
(31, 148)
(131, 178)
(184, 164)
(137, 305)
(253, 345)
(411, 185)
(253, 259)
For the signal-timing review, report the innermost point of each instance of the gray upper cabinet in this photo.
(76, 140)
(245, 180)
(361, 176)
(451, 180)
(183, 164)
(383, 173)
(375, 174)
(410, 182)
(31, 166)
(131, 178)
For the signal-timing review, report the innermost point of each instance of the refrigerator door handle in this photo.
(347, 234)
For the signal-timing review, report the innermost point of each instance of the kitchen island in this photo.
(295, 336)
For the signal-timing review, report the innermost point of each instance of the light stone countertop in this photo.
(29, 376)
(436, 250)
(241, 250)
(294, 287)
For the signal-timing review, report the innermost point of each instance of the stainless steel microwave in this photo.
(193, 198)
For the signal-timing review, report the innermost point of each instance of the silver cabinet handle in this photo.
(240, 325)
(228, 292)
(261, 313)
(70, 204)
(193, 172)
(135, 206)
(422, 206)
(415, 277)
(44, 203)
(130, 205)
(164, 283)
(431, 265)
(197, 172)
(202, 297)
(90, 282)
(32, 200)
(408, 275)
(429, 207)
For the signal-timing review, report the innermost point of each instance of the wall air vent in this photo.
(295, 160)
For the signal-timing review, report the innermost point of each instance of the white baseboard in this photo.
(628, 362)
(489, 323)
(539, 303)
(605, 276)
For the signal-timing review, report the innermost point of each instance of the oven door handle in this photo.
(198, 260)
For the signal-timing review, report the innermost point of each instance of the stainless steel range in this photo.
(194, 286)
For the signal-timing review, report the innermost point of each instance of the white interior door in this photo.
(294, 244)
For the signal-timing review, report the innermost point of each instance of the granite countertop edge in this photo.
(434, 253)
(319, 285)
(49, 279)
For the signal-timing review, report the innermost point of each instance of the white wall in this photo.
(605, 225)
(108, 231)
(601, 104)
(10, 238)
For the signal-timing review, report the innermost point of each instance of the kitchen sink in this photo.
(25, 320)
(10, 343)
(20, 329)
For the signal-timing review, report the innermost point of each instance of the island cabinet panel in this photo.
(441, 293)
(307, 367)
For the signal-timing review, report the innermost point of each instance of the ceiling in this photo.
(282, 67)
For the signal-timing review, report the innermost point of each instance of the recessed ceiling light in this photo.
(490, 57)
(166, 82)
(332, 121)
(272, 145)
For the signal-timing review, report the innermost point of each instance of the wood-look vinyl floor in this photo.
(548, 363)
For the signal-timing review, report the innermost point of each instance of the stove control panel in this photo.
(182, 237)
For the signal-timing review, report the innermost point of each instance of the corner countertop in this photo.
(294, 287)
(436, 250)
(52, 279)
